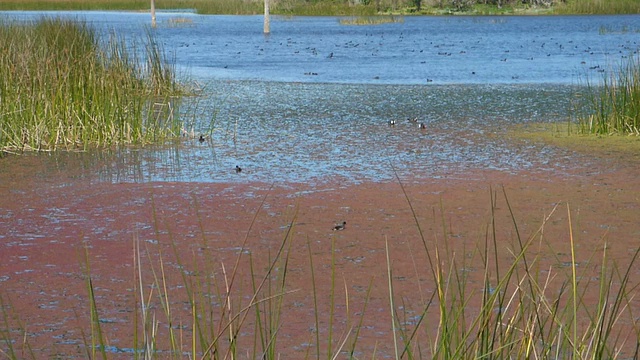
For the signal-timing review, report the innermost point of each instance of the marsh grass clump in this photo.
(180, 22)
(624, 29)
(371, 20)
(61, 88)
(612, 107)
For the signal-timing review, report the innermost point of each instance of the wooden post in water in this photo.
(153, 13)
(267, 25)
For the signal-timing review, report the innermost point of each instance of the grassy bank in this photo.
(343, 7)
(598, 7)
(199, 308)
(41, 5)
(61, 89)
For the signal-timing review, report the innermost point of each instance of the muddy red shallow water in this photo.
(192, 235)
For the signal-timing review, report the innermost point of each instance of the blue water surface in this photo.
(311, 101)
(415, 50)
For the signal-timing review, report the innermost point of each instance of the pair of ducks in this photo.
(421, 126)
(203, 138)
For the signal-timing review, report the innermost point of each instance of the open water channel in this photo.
(312, 101)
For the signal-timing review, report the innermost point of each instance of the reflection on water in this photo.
(466, 78)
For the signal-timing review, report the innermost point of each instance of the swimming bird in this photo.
(201, 138)
(340, 227)
(392, 123)
(413, 119)
(238, 169)
(423, 126)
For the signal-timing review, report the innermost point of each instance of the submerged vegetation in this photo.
(536, 305)
(346, 7)
(61, 88)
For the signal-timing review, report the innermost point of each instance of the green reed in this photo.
(40, 5)
(612, 106)
(11, 346)
(61, 88)
(598, 7)
(225, 7)
(524, 310)
(522, 314)
(322, 8)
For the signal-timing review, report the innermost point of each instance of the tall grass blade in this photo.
(316, 311)
(96, 329)
(392, 307)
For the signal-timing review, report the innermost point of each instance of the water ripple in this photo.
(314, 133)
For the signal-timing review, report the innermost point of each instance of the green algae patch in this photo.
(622, 147)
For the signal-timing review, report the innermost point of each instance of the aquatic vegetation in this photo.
(62, 89)
(613, 106)
(371, 20)
(180, 21)
(623, 30)
(571, 309)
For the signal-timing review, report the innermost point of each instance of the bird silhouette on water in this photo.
(238, 169)
(340, 227)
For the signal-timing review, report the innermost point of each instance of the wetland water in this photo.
(311, 101)
(466, 78)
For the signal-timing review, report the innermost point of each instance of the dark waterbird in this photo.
(238, 169)
(340, 227)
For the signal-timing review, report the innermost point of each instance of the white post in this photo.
(153, 13)
(267, 26)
